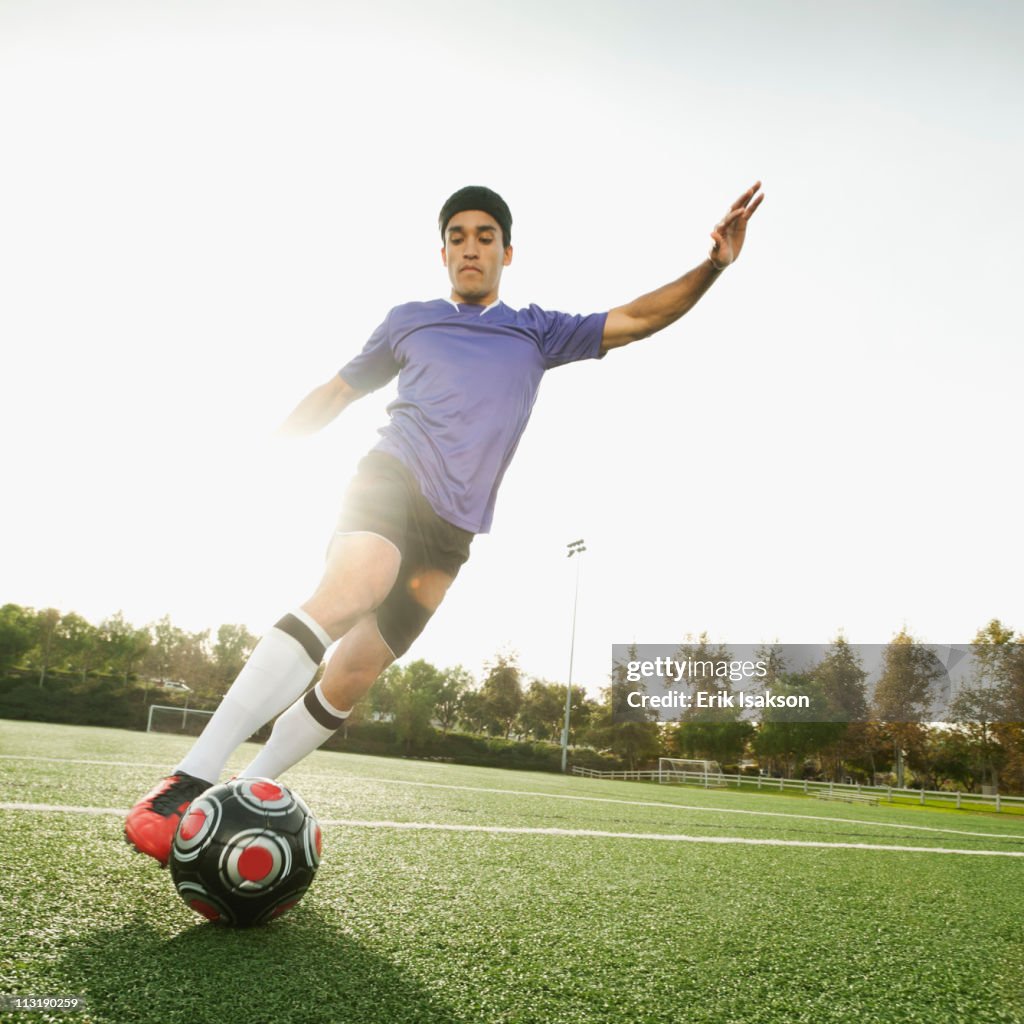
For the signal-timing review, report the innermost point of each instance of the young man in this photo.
(468, 371)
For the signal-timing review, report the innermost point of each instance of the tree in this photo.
(124, 646)
(774, 663)
(976, 711)
(582, 710)
(502, 693)
(716, 733)
(631, 733)
(723, 740)
(230, 653)
(844, 692)
(636, 741)
(383, 699)
(78, 644)
(415, 693)
(455, 684)
(795, 734)
(710, 663)
(842, 680)
(542, 715)
(1000, 661)
(987, 709)
(952, 757)
(178, 655)
(540, 711)
(17, 634)
(44, 652)
(1011, 736)
(871, 747)
(904, 691)
(473, 711)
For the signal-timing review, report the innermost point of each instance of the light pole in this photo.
(577, 547)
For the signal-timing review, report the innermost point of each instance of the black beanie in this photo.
(476, 197)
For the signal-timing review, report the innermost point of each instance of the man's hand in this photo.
(653, 312)
(731, 230)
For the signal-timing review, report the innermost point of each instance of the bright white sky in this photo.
(206, 207)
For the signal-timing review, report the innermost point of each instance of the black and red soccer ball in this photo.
(245, 852)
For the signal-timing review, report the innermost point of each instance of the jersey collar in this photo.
(496, 302)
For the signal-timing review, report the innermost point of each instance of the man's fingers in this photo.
(746, 197)
(749, 212)
(728, 219)
(729, 232)
(740, 211)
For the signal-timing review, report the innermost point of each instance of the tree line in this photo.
(47, 642)
(39, 648)
(848, 734)
(425, 707)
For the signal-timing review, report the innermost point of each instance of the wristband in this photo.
(714, 264)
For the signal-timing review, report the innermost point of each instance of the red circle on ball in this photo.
(255, 863)
(266, 791)
(192, 824)
(318, 841)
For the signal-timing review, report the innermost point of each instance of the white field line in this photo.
(576, 833)
(662, 837)
(696, 807)
(81, 760)
(583, 799)
(119, 812)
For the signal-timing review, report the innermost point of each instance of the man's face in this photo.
(474, 255)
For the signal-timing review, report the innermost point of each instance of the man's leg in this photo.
(361, 570)
(354, 667)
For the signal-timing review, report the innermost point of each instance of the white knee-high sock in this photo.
(298, 732)
(278, 670)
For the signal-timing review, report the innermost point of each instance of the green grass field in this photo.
(451, 895)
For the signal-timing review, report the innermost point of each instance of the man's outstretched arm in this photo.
(319, 407)
(653, 312)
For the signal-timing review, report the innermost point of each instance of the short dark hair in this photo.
(477, 197)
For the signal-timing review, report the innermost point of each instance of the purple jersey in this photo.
(467, 380)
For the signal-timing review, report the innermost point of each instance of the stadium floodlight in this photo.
(577, 547)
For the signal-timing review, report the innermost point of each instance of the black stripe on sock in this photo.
(319, 712)
(298, 630)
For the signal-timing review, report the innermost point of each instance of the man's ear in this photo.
(508, 255)
(444, 255)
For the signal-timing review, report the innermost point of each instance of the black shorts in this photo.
(384, 498)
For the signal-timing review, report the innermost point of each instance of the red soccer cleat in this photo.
(152, 822)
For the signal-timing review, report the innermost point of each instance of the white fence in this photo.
(892, 794)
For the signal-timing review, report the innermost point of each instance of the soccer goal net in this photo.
(165, 718)
(683, 769)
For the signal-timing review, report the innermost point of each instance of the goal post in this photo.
(167, 718)
(692, 770)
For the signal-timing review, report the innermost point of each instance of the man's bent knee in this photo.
(361, 569)
(356, 663)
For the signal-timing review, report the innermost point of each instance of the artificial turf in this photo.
(424, 925)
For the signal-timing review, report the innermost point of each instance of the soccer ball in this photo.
(245, 852)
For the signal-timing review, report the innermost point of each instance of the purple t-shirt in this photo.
(467, 380)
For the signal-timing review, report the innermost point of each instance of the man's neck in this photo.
(485, 300)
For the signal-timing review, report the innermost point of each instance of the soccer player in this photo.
(468, 371)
